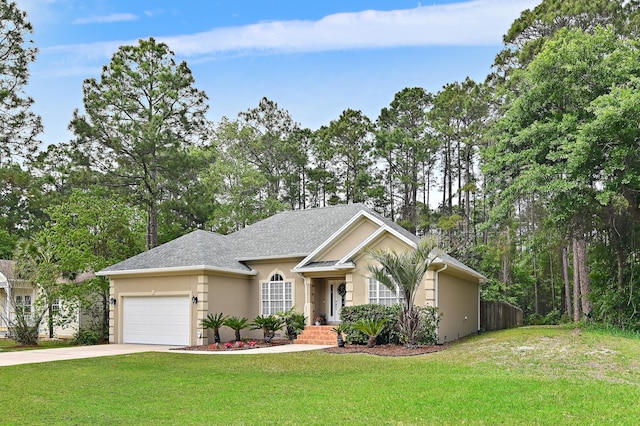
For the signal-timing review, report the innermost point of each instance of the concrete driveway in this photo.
(77, 352)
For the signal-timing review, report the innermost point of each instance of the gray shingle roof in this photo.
(292, 233)
(297, 232)
(198, 248)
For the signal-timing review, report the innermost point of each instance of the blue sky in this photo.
(315, 58)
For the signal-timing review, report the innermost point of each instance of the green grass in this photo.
(536, 375)
(10, 345)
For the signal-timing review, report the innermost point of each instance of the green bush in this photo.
(430, 319)
(391, 314)
(349, 315)
(85, 337)
(552, 318)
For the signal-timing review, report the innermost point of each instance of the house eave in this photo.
(338, 267)
(466, 271)
(174, 269)
(280, 257)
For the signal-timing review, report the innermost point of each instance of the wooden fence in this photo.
(499, 315)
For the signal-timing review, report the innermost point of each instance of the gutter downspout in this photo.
(436, 295)
(479, 286)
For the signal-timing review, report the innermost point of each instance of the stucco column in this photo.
(348, 298)
(430, 288)
(112, 313)
(202, 309)
(307, 299)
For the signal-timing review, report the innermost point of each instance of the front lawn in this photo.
(10, 345)
(527, 376)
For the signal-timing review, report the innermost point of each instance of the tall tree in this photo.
(269, 139)
(536, 140)
(91, 230)
(349, 143)
(19, 126)
(403, 140)
(141, 123)
(458, 117)
(529, 32)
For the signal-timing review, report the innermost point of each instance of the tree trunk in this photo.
(585, 282)
(565, 279)
(152, 225)
(371, 342)
(466, 226)
(535, 285)
(50, 319)
(576, 282)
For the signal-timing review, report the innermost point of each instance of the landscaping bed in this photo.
(386, 350)
(236, 346)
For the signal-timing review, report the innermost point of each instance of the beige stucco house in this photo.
(311, 260)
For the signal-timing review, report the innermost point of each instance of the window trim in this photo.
(399, 299)
(276, 278)
(21, 303)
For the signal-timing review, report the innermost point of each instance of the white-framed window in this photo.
(55, 306)
(379, 294)
(23, 304)
(276, 295)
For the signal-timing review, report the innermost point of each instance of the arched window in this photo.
(276, 295)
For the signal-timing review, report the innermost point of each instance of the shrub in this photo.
(430, 318)
(268, 324)
(293, 321)
(214, 322)
(391, 314)
(237, 324)
(85, 337)
(372, 327)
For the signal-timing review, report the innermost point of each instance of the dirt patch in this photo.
(386, 350)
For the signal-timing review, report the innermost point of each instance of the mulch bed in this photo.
(234, 347)
(387, 350)
(380, 350)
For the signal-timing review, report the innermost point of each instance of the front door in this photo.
(336, 300)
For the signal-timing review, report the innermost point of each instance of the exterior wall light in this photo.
(112, 300)
(194, 300)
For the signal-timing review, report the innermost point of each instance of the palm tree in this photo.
(372, 327)
(403, 272)
(293, 321)
(268, 324)
(237, 324)
(339, 329)
(214, 322)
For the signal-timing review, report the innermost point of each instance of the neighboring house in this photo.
(24, 297)
(311, 260)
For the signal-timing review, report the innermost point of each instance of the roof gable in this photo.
(293, 233)
(384, 225)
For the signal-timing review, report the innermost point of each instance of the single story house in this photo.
(311, 260)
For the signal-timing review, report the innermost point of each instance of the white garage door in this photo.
(156, 320)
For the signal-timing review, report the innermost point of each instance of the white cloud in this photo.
(479, 22)
(471, 23)
(107, 19)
